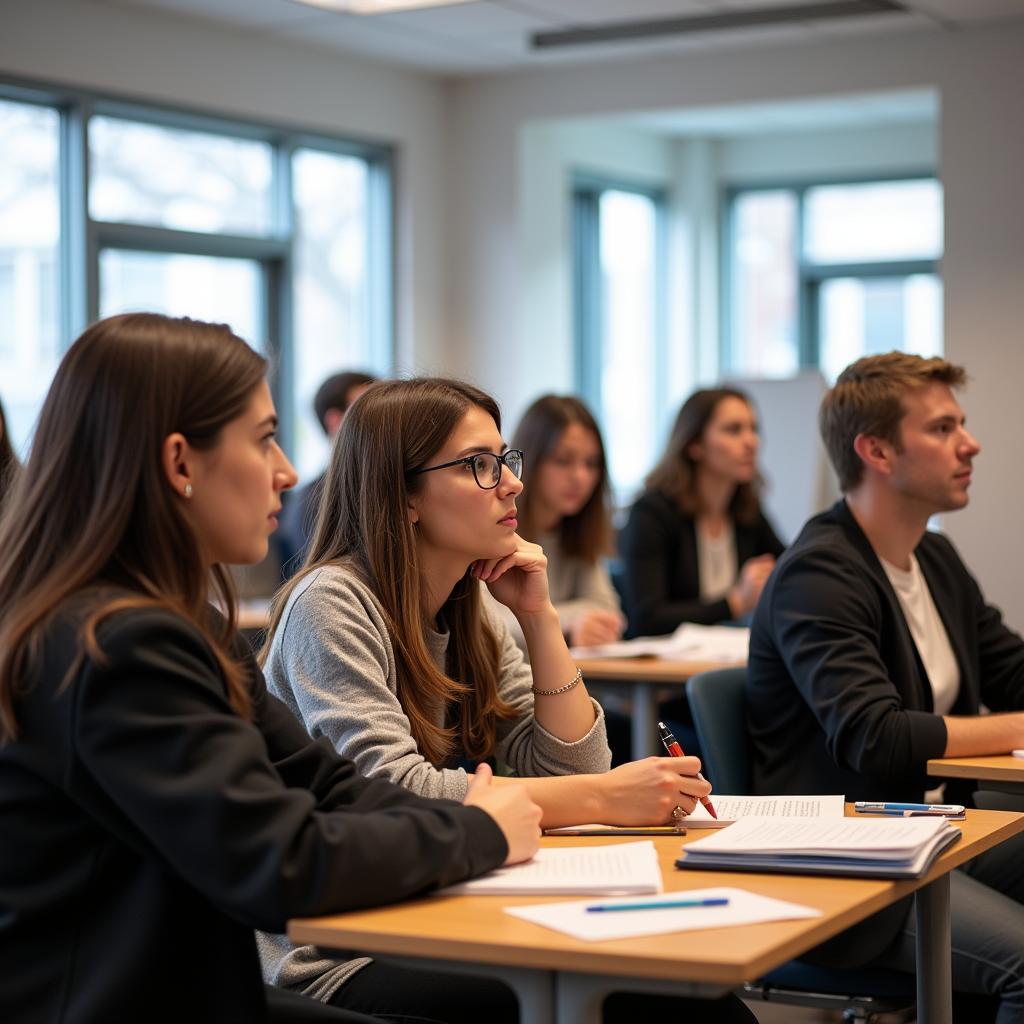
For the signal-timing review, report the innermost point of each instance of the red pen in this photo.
(671, 744)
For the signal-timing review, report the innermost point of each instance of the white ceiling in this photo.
(487, 36)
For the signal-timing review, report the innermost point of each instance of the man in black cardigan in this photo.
(872, 650)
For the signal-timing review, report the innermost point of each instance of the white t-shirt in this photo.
(928, 632)
(716, 563)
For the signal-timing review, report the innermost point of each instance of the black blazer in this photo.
(146, 830)
(838, 699)
(660, 575)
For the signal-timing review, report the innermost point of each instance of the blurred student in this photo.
(8, 460)
(564, 508)
(382, 642)
(157, 804)
(697, 546)
(331, 402)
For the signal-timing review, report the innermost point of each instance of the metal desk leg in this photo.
(645, 721)
(934, 957)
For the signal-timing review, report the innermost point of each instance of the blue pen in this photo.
(903, 809)
(716, 901)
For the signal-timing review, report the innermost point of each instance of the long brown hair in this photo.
(676, 472)
(396, 427)
(93, 506)
(8, 460)
(586, 534)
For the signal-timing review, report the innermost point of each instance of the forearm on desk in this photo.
(984, 734)
(564, 799)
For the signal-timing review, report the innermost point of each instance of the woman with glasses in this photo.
(697, 547)
(382, 643)
(564, 509)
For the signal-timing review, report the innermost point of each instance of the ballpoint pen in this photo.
(607, 908)
(671, 744)
(906, 810)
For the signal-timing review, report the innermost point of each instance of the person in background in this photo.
(697, 546)
(330, 403)
(564, 509)
(156, 803)
(383, 643)
(8, 460)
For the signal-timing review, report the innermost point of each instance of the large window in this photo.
(821, 275)
(106, 208)
(620, 330)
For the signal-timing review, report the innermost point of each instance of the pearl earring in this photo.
(188, 490)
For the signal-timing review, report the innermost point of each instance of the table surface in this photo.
(995, 768)
(644, 670)
(475, 929)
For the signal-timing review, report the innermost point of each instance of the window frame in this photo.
(810, 275)
(82, 238)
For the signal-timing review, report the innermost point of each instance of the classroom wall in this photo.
(978, 76)
(200, 65)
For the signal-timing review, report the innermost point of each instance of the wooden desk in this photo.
(643, 676)
(561, 979)
(1002, 771)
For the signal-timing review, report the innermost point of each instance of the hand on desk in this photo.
(646, 792)
(513, 811)
(596, 627)
(746, 593)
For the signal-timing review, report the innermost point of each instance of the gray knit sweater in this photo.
(331, 661)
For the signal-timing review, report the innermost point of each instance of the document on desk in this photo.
(893, 848)
(729, 808)
(623, 869)
(743, 908)
(690, 642)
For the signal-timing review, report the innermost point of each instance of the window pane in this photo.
(228, 291)
(864, 316)
(629, 368)
(29, 268)
(194, 181)
(764, 303)
(894, 220)
(332, 287)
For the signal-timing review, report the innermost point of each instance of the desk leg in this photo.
(645, 721)
(934, 958)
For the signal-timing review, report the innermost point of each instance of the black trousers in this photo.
(402, 995)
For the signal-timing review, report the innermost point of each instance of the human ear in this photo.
(873, 452)
(175, 457)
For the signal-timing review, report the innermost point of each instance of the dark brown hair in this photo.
(676, 472)
(8, 460)
(93, 506)
(333, 393)
(868, 399)
(587, 534)
(398, 426)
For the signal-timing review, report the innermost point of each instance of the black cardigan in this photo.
(660, 575)
(146, 830)
(838, 699)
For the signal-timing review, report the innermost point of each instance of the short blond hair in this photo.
(868, 399)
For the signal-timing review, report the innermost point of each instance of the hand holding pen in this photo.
(671, 744)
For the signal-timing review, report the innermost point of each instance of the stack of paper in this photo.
(743, 908)
(690, 642)
(624, 869)
(897, 848)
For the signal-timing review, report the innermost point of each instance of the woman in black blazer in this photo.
(697, 546)
(156, 804)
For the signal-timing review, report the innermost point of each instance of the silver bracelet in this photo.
(578, 678)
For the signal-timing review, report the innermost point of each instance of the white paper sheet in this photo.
(732, 808)
(574, 870)
(744, 908)
(690, 642)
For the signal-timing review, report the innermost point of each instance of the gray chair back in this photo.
(719, 707)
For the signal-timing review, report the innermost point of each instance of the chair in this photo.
(718, 703)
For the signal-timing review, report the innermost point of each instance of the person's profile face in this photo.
(566, 478)
(237, 485)
(455, 518)
(728, 446)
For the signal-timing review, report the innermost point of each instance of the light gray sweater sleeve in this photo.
(331, 661)
(523, 743)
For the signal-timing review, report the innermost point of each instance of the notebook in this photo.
(883, 848)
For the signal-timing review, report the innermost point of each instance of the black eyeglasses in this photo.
(486, 467)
